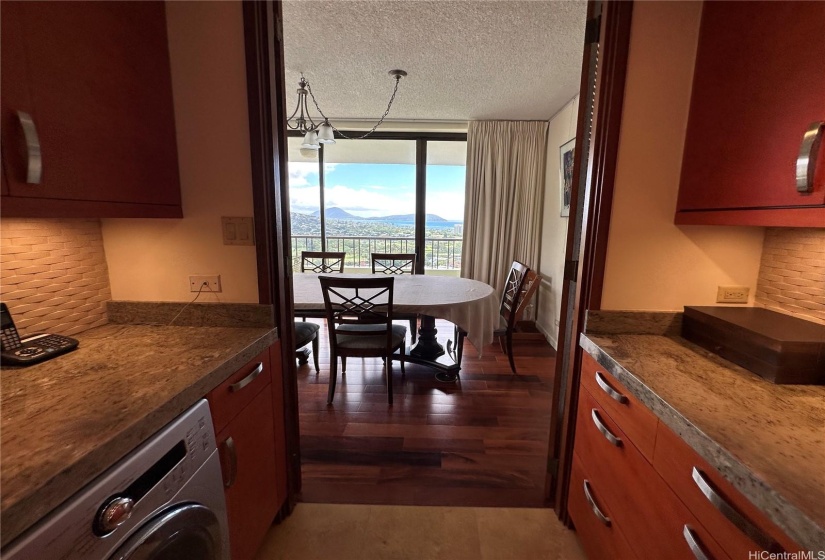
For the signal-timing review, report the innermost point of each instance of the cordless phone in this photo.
(32, 349)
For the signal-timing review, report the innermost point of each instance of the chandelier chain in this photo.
(374, 128)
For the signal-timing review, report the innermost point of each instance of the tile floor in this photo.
(377, 532)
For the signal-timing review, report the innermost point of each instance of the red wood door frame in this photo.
(268, 145)
(604, 67)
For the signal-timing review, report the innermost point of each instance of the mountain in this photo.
(406, 218)
(336, 213)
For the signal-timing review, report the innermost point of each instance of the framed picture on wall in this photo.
(566, 152)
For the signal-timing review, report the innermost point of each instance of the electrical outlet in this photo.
(732, 294)
(213, 283)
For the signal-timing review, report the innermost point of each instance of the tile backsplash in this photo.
(53, 274)
(792, 272)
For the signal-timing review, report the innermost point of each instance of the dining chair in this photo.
(397, 263)
(519, 287)
(323, 262)
(359, 320)
(304, 334)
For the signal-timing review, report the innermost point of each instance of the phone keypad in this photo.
(10, 339)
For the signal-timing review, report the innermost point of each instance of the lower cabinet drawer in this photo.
(733, 521)
(247, 451)
(652, 518)
(235, 393)
(593, 517)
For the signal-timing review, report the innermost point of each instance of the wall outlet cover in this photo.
(732, 294)
(213, 283)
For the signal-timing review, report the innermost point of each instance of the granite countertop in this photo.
(767, 440)
(67, 420)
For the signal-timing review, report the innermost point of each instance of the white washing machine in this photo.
(163, 501)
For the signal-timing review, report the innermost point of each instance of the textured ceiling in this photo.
(467, 60)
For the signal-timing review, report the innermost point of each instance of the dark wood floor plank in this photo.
(479, 442)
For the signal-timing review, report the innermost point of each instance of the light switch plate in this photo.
(238, 231)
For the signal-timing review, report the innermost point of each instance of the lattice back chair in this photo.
(359, 320)
(519, 287)
(397, 263)
(323, 262)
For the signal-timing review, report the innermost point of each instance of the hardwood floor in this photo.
(479, 442)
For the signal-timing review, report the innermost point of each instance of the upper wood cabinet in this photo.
(759, 84)
(94, 80)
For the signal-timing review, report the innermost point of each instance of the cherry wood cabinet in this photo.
(251, 444)
(94, 78)
(655, 505)
(758, 86)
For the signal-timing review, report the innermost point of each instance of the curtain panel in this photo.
(506, 163)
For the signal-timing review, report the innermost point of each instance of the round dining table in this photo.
(469, 304)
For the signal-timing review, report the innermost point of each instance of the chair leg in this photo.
(388, 369)
(510, 351)
(333, 377)
(403, 373)
(315, 353)
(413, 329)
(343, 364)
(460, 346)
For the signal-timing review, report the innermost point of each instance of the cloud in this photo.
(299, 172)
(368, 202)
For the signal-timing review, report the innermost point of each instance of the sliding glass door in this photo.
(369, 196)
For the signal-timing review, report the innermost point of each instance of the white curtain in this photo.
(504, 198)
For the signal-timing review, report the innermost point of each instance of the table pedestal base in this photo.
(429, 352)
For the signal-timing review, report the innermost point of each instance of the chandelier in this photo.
(319, 133)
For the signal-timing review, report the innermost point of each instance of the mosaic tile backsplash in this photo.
(792, 272)
(53, 274)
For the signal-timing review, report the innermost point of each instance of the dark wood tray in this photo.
(778, 347)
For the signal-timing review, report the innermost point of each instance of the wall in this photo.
(53, 276)
(554, 227)
(151, 260)
(792, 273)
(651, 263)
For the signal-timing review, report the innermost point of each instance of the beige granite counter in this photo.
(67, 420)
(767, 440)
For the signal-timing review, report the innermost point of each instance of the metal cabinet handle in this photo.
(603, 429)
(806, 162)
(589, 497)
(34, 166)
(613, 393)
(693, 544)
(233, 462)
(235, 387)
(749, 529)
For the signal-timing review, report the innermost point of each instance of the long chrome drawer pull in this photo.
(693, 543)
(751, 531)
(806, 162)
(613, 393)
(235, 387)
(603, 429)
(34, 165)
(602, 517)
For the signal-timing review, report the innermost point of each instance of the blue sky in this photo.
(377, 189)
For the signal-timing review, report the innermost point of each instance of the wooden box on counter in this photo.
(778, 347)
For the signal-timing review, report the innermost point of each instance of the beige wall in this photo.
(651, 263)
(53, 274)
(151, 260)
(554, 228)
(792, 274)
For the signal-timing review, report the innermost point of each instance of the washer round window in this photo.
(189, 531)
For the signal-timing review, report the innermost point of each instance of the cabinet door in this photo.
(758, 85)
(95, 78)
(247, 450)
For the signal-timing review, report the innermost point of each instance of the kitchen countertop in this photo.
(67, 420)
(767, 440)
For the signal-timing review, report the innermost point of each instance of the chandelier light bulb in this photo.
(311, 141)
(325, 133)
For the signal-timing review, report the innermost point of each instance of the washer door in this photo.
(190, 531)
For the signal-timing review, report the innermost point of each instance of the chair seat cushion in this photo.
(304, 333)
(362, 341)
